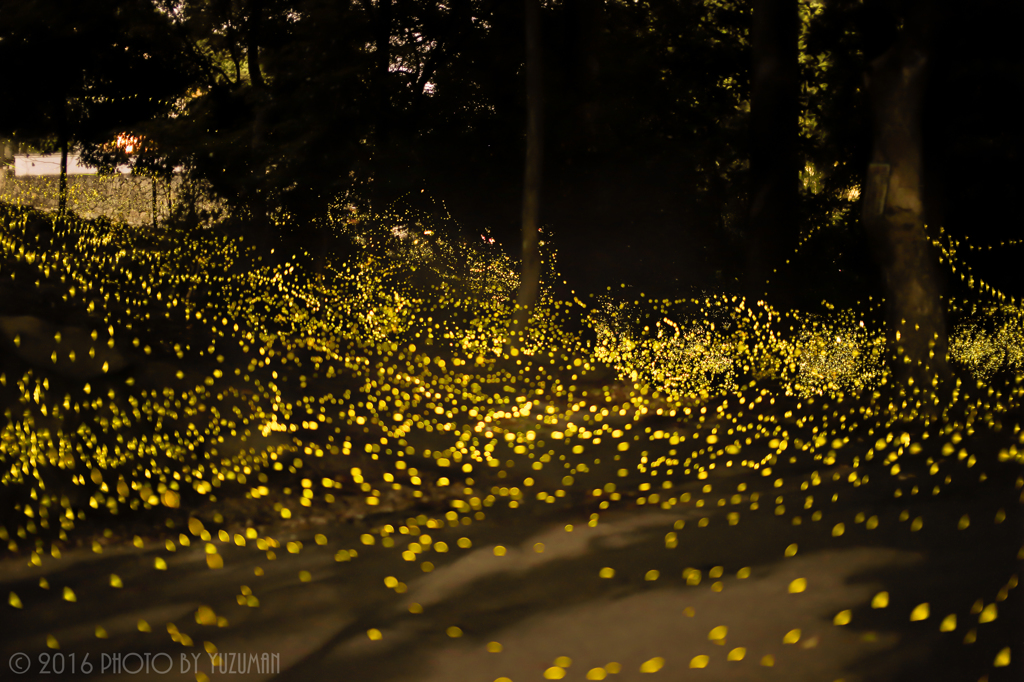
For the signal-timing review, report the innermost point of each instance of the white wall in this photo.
(49, 164)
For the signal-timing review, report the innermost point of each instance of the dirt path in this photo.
(322, 616)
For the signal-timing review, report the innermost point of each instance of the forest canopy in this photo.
(286, 106)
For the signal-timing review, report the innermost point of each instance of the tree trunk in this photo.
(233, 47)
(153, 181)
(62, 192)
(252, 44)
(529, 285)
(257, 199)
(383, 68)
(774, 127)
(893, 211)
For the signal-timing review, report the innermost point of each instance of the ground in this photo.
(544, 597)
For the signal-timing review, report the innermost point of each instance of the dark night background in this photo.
(647, 135)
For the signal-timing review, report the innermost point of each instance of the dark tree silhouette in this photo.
(85, 72)
(529, 285)
(260, 99)
(774, 173)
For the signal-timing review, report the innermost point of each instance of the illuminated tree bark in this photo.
(529, 285)
(893, 210)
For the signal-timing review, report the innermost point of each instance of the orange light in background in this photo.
(127, 142)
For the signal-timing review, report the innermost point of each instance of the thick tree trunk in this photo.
(893, 212)
(774, 127)
(529, 284)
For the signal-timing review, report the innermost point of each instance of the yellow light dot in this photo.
(792, 637)
(700, 661)
(607, 572)
(737, 654)
(880, 600)
(654, 665)
(494, 647)
(798, 585)
(920, 612)
(454, 632)
(843, 617)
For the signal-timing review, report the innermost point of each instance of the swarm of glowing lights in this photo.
(188, 378)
